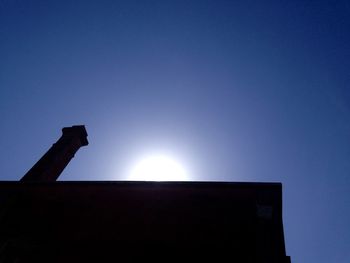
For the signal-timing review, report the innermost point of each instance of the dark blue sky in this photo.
(237, 90)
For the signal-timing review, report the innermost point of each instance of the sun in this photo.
(158, 168)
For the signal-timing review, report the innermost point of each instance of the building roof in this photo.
(90, 220)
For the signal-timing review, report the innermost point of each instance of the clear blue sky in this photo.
(237, 90)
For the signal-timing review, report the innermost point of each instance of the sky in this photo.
(255, 91)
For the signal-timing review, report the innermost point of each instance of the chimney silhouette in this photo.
(51, 165)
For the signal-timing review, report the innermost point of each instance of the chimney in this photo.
(51, 165)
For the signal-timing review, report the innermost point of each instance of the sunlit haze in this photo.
(158, 168)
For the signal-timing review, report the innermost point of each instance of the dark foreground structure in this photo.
(42, 220)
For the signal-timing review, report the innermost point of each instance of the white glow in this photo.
(158, 168)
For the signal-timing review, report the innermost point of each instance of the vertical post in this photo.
(53, 162)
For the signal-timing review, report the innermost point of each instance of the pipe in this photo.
(53, 162)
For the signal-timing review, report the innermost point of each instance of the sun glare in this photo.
(158, 168)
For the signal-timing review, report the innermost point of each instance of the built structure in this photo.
(44, 220)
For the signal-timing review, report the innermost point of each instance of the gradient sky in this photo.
(235, 90)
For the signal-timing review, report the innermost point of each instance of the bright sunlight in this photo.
(158, 168)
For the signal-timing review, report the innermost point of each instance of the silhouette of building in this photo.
(44, 220)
